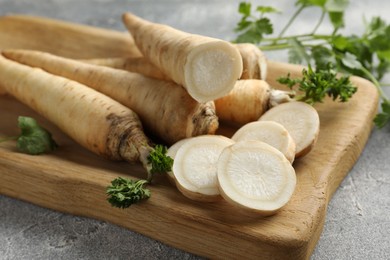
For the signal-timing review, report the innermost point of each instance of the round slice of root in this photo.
(211, 70)
(301, 120)
(172, 150)
(195, 166)
(269, 132)
(255, 176)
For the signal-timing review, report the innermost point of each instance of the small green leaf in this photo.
(338, 6)
(337, 19)
(320, 3)
(264, 26)
(242, 25)
(33, 138)
(267, 9)
(254, 32)
(383, 118)
(340, 42)
(349, 60)
(245, 8)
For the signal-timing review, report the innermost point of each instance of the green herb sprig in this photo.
(366, 55)
(317, 84)
(124, 192)
(33, 138)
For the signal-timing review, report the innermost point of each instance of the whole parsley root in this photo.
(133, 64)
(249, 99)
(254, 63)
(95, 121)
(206, 67)
(166, 109)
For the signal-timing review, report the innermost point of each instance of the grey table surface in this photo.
(358, 219)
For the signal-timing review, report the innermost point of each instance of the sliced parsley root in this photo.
(33, 138)
(270, 132)
(97, 122)
(301, 121)
(194, 166)
(255, 176)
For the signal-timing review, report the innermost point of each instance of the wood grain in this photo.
(73, 180)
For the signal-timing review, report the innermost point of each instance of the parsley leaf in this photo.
(125, 192)
(33, 139)
(383, 118)
(251, 28)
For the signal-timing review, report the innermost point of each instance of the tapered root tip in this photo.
(211, 70)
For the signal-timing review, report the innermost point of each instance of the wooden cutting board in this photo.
(73, 180)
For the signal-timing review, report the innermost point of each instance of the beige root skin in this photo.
(249, 99)
(138, 65)
(245, 103)
(165, 109)
(254, 61)
(50, 35)
(206, 67)
(92, 119)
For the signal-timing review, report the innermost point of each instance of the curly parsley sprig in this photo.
(124, 192)
(317, 84)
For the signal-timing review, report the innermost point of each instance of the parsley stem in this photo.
(300, 37)
(319, 21)
(293, 17)
(376, 83)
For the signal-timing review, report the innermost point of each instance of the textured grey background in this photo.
(357, 223)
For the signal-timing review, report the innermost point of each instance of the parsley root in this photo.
(254, 175)
(137, 64)
(254, 62)
(95, 121)
(166, 110)
(248, 100)
(194, 166)
(269, 132)
(208, 68)
(302, 122)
